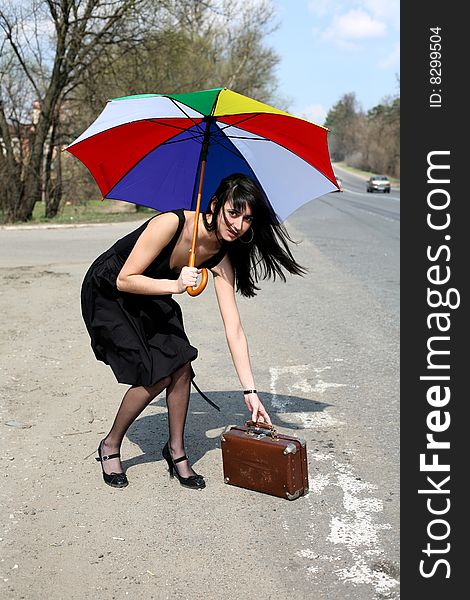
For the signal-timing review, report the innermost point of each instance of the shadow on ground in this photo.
(205, 424)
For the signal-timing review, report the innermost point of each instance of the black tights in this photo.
(136, 399)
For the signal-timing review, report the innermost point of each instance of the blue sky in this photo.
(332, 47)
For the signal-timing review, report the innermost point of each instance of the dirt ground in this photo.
(65, 534)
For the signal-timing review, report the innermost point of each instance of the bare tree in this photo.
(383, 137)
(189, 45)
(48, 45)
(70, 56)
(194, 45)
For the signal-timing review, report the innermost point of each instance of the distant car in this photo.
(378, 183)
(340, 184)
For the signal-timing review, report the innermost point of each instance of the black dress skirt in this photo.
(140, 337)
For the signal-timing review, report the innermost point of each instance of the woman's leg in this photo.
(133, 403)
(177, 399)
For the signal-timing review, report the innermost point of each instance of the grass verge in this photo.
(365, 174)
(93, 211)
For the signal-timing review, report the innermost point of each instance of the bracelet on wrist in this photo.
(246, 392)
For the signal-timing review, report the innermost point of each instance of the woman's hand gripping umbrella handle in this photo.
(195, 291)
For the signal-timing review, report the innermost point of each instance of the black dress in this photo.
(140, 337)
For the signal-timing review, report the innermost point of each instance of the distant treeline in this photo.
(366, 140)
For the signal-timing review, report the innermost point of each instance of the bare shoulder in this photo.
(165, 221)
(165, 225)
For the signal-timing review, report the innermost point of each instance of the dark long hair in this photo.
(263, 251)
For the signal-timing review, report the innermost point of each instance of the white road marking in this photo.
(353, 528)
(318, 483)
(299, 382)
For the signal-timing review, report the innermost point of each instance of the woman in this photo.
(137, 328)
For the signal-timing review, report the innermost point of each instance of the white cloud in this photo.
(346, 26)
(353, 26)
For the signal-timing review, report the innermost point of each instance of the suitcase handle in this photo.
(261, 429)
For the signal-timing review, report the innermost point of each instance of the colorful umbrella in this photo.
(171, 151)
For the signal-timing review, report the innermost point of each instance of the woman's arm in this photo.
(224, 282)
(151, 242)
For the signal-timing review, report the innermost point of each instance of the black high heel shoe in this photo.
(116, 480)
(195, 482)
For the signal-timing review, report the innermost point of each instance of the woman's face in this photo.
(233, 223)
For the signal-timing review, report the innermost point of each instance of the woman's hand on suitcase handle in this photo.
(187, 278)
(255, 406)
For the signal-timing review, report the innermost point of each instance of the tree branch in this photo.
(8, 29)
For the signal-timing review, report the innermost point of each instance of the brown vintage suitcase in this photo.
(255, 456)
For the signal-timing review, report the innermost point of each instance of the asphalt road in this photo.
(325, 355)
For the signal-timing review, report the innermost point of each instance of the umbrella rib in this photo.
(118, 125)
(248, 137)
(147, 154)
(184, 112)
(161, 122)
(226, 126)
(236, 153)
(247, 118)
(281, 145)
(196, 138)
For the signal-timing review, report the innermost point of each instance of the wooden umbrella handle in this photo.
(195, 291)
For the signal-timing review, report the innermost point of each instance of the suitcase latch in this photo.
(290, 449)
